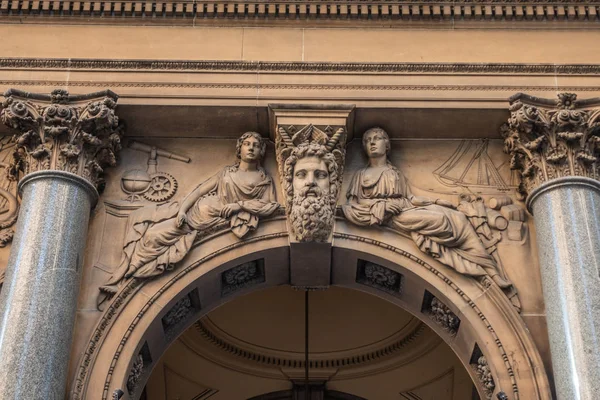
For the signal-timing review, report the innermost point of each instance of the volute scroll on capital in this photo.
(549, 139)
(79, 134)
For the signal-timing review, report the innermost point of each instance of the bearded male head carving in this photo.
(311, 189)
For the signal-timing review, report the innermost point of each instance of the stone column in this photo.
(555, 146)
(61, 146)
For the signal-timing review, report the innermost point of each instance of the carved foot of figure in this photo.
(107, 292)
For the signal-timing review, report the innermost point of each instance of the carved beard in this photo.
(311, 217)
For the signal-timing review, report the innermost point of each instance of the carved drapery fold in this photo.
(79, 134)
(549, 139)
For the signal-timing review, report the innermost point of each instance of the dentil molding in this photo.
(301, 12)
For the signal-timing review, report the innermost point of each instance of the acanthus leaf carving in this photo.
(77, 134)
(442, 315)
(484, 373)
(548, 140)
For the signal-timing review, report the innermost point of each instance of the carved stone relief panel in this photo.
(489, 219)
(441, 314)
(141, 365)
(158, 236)
(461, 236)
(379, 277)
(242, 276)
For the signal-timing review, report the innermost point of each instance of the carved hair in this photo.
(382, 133)
(257, 136)
(310, 150)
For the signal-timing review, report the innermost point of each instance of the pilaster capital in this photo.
(549, 139)
(79, 134)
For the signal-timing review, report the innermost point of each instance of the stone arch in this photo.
(145, 316)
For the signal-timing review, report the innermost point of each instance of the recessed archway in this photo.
(359, 345)
(151, 314)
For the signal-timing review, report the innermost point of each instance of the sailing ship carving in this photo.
(471, 166)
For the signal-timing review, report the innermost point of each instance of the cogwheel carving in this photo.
(162, 187)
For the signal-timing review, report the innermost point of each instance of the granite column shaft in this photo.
(567, 221)
(39, 297)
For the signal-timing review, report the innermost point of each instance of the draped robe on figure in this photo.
(439, 231)
(154, 242)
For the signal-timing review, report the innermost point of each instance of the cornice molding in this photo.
(311, 12)
(299, 67)
(183, 85)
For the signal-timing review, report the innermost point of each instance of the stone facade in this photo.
(360, 151)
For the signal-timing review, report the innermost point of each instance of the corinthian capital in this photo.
(78, 134)
(549, 139)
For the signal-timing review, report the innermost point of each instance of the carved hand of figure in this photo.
(392, 208)
(181, 219)
(445, 203)
(230, 209)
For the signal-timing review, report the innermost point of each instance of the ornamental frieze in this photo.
(464, 235)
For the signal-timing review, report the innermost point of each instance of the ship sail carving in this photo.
(471, 166)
